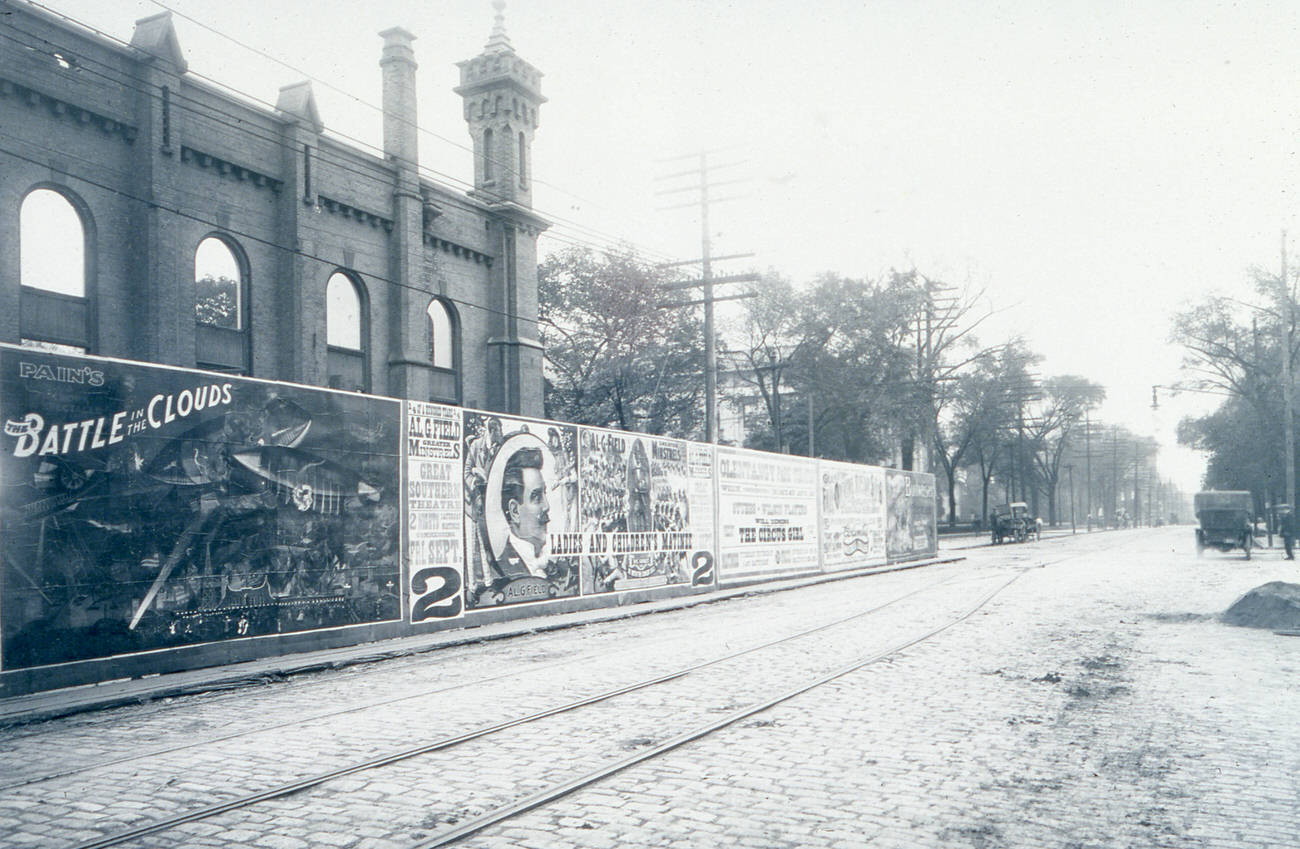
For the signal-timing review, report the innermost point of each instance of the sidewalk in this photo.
(50, 704)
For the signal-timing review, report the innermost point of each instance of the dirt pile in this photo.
(1275, 605)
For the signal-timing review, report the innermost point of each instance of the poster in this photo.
(146, 507)
(700, 471)
(767, 515)
(435, 539)
(852, 515)
(639, 506)
(521, 510)
(912, 517)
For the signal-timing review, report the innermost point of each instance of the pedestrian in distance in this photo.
(1286, 526)
(1038, 528)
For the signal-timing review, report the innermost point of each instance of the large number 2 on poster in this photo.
(429, 602)
(702, 568)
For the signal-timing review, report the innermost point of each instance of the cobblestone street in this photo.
(1096, 701)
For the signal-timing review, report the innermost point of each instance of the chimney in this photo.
(400, 138)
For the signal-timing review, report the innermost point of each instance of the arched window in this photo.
(345, 333)
(220, 307)
(441, 341)
(218, 285)
(487, 155)
(443, 347)
(52, 245)
(343, 312)
(523, 162)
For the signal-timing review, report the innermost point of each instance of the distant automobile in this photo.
(1224, 521)
(1011, 522)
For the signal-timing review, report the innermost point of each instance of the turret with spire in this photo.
(502, 94)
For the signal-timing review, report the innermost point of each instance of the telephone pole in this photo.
(1288, 415)
(1087, 449)
(706, 280)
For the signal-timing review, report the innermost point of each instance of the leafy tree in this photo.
(857, 365)
(966, 435)
(990, 409)
(1245, 450)
(1225, 354)
(217, 301)
(949, 360)
(1065, 399)
(765, 343)
(615, 356)
(1236, 349)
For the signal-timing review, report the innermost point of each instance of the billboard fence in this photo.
(147, 508)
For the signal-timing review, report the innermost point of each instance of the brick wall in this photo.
(155, 161)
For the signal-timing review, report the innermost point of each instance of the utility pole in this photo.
(1020, 449)
(1288, 415)
(1069, 468)
(706, 280)
(1114, 472)
(812, 444)
(1137, 483)
(1087, 454)
(936, 320)
(710, 342)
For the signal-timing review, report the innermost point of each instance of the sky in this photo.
(1091, 168)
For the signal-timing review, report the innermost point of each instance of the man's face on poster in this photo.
(529, 517)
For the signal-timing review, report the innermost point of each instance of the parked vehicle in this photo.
(1224, 521)
(1011, 522)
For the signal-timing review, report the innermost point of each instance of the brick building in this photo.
(148, 215)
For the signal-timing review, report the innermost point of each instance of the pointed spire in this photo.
(498, 41)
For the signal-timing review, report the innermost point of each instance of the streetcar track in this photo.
(566, 788)
(164, 703)
(604, 654)
(302, 784)
(308, 782)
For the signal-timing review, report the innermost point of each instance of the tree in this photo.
(1244, 449)
(989, 412)
(946, 352)
(1065, 399)
(615, 356)
(1236, 349)
(974, 414)
(856, 365)
(1223, 354)
(765, 344)
(216, 301)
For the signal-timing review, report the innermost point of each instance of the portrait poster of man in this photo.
(520, 497)
(635, 511)
(147, 508)
(852, 515)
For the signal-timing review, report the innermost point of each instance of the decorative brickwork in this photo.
(63, 109)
